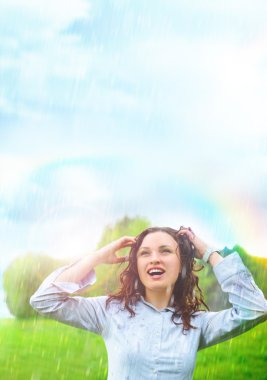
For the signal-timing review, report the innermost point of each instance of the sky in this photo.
(145, 108)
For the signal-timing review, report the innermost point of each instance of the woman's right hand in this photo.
(107, 254)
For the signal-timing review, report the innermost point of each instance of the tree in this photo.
(21, 279)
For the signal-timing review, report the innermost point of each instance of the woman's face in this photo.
(158, 249)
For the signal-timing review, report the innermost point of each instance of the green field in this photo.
(45, 349)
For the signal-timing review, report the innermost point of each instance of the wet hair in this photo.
(188, 297)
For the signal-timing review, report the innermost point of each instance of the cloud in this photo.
(48, 17)
(35, 49)
(213, 88)
(80, 184)
(209, 86)
(56, 189)
(13, 172)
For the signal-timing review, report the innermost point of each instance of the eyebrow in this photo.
(162, 246)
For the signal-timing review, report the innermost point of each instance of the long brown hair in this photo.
(188, 296)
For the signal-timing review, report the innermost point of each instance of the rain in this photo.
(116, 115)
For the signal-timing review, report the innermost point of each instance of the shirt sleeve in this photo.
(52, 299)
(249, 307)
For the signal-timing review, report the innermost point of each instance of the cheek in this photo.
(175, 267)
(140, 268)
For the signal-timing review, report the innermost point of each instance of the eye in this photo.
(167, 251)
(144, 253)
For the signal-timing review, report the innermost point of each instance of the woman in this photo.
(154, 325)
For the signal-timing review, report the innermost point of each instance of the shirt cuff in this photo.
(229, 266)
(72, 287)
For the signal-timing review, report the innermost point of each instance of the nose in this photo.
(155, 257)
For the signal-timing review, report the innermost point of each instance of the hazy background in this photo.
(151, 108)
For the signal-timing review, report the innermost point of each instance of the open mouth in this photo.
(156, 273)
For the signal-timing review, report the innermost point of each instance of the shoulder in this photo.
(99, 306)
(199, 313)
(200, 316)
(113, 305)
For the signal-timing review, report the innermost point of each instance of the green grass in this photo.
(44, 350)
(243, 357)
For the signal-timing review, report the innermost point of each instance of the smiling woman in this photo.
(170, 251)
(154, 325)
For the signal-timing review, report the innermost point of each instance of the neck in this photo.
(160, 299)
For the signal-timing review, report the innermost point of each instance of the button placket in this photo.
(159, 332)
(157, 345)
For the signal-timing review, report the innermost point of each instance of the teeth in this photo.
(155, 271)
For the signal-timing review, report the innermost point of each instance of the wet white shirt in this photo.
(149, 345)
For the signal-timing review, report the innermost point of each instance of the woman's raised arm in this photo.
(54, 296)
(105, 255)
(249, 306)
(201, 247)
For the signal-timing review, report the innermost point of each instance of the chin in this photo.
(157, 286)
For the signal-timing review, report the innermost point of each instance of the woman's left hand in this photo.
(200, 245)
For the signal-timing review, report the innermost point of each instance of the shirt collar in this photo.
(150, 304)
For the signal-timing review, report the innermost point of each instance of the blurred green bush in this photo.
(21, 279)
